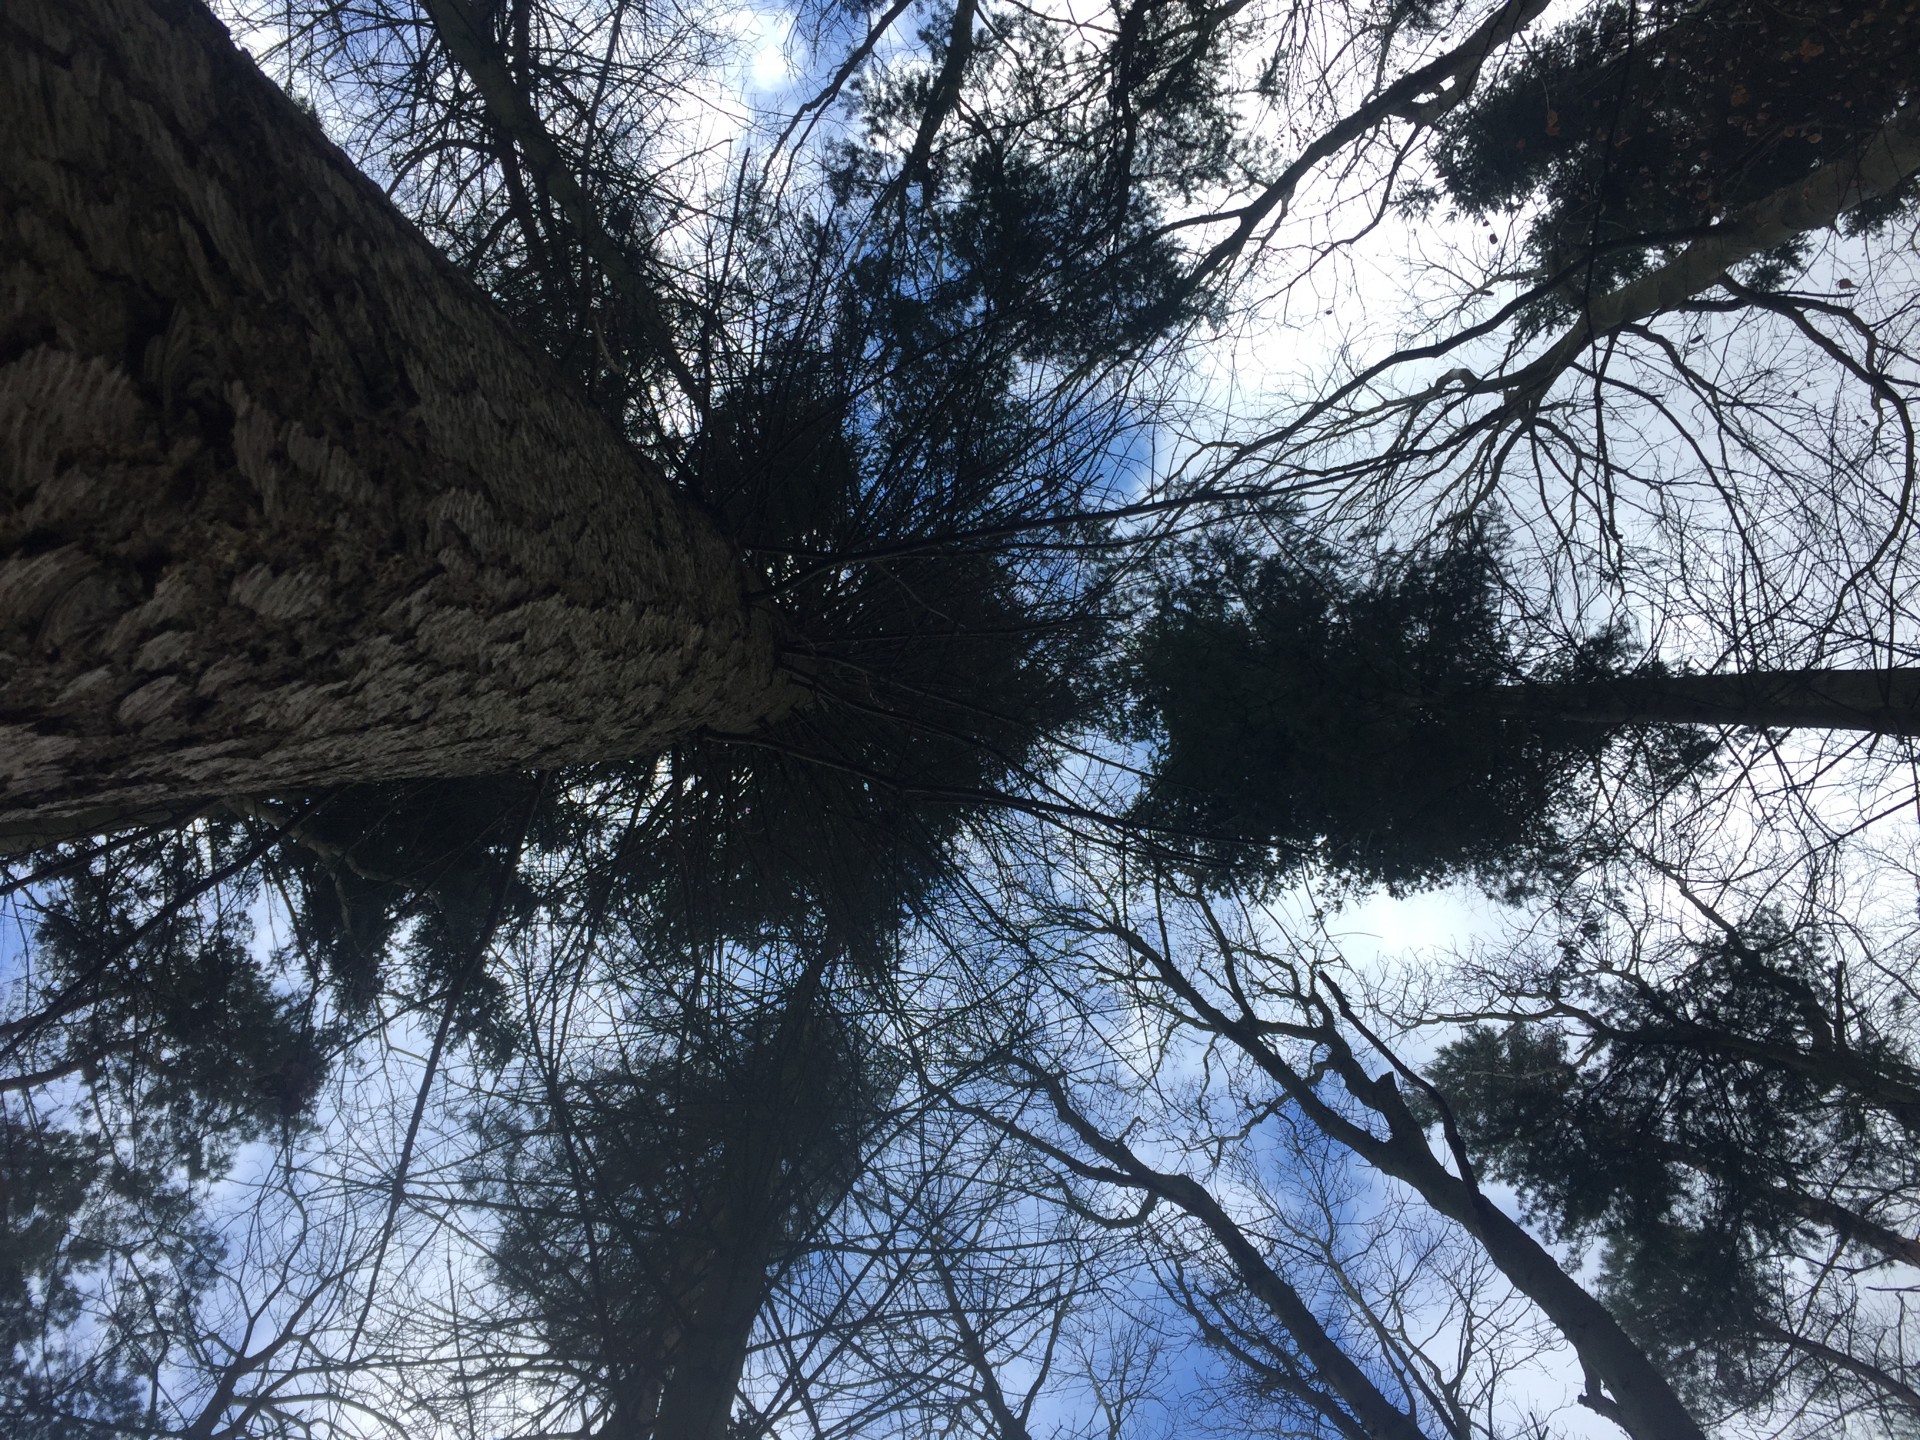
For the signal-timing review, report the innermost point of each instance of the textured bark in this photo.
(283, 500)
(1885, 702)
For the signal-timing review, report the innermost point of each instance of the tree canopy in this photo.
(1141, 497)
(1349, 716)
(1628, 129)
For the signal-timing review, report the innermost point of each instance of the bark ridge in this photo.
(283, 500)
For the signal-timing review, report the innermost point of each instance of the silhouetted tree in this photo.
(651, 1211)
(1713, 1125)
(1633, 128)
(1303, 706)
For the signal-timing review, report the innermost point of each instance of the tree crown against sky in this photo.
(1629, 128)
(1713, 1124)
(652, 1208)
(885, 419)
(906, 379)
(1309, 706)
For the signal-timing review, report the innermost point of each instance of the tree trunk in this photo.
(1643, 1403)
(1885, 702)
(283, 501)
(710, 1353)
(720, 1297)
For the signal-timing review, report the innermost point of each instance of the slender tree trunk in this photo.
(283, 501)
(1814, 201)
(1885, 702)
(1641, 1400)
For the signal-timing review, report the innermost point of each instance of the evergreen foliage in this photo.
(146, 1040)
(1707, 1126)
(1044, 218)
(144, 983)
(937, 674)
(50, 1239)
(103, 1258)
(1634, 127)
(1305, 707)
(652, 1206)
(429, 863)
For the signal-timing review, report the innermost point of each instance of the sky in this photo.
(1302, 330)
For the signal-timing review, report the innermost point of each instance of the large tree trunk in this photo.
(283, 501)
(1885, 702)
